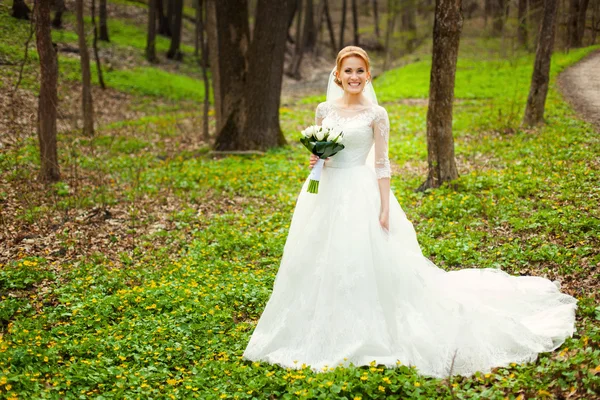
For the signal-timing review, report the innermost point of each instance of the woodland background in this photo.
(137, 256)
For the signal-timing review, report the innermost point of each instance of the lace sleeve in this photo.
(321, 113)
(381, 133)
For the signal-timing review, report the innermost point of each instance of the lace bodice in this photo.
(363, 129)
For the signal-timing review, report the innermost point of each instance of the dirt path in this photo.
(580, 84)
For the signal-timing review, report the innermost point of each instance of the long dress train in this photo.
(349, 292)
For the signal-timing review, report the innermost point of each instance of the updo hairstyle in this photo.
(350, 51)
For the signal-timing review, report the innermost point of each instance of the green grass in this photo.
(142, 80)
(172, 320)
(122, 33)
(501, 79)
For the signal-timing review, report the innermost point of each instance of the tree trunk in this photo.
(595, 21)
(309, 31)
(291, 20)
(534, 16)
(409, 24)
(95, 47)
(576, 22)
(151, 39)
(59, 9)
(391, 11)
(319, 27)
(20, 9)
(355, 23)
(499, 14)
(487, 7)
(330, 26)
(573, 13)
(303, 34)
(244, 71)
(86, 94)
(174, 52)
(198, 21)
(522, 24)
(343, 24)
(204, 66)
(534, 110)
(103, 22)
(163, 21)
(376, 16)
(294, 67)
(48, 98)
(581, 21)
(440, 142)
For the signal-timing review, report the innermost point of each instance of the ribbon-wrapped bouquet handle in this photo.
(323, 143)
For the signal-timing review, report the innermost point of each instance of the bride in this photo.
(354, 287)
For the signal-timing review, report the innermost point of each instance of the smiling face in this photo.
(353, 74)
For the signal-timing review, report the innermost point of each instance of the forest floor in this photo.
(581, 86)
(143, 272)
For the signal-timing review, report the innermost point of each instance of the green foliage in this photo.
(125, 36)
(172, 320)
(158, 83)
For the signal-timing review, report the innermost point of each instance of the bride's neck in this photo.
(352, 100)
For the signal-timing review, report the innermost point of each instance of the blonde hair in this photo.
(350, 51)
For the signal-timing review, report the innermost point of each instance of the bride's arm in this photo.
(381, 133)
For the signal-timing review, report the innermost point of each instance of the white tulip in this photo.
(320, 133)
(336, 135)
(308, 132)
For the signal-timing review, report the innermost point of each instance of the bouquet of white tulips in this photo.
(322, 142)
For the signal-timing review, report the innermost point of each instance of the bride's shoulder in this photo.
(380, 112)
(323, 108)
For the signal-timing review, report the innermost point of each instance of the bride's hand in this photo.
(384, 220)
(313, 160)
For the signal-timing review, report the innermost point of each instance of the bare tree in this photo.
(392, 11)
(326, 15)
(103, 22)
(355, 24)
(343, 23)
(309, 30)
(576, 22)
(595, 21)
(534, 110)
(497, 10)
(376, 17)
(164, 27)
(409, 24)
(440, 142)
(151, 38)
(201, 20)
(86, 94)
(534, 16)
(174, 52)
(330, 26)
(301, 39)
(245, 70)
(59, 9)
(48, 98)
(95, 47)
(522, 23)
(581, 20)
(20, 9)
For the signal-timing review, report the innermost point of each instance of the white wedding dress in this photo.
(349, 292)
